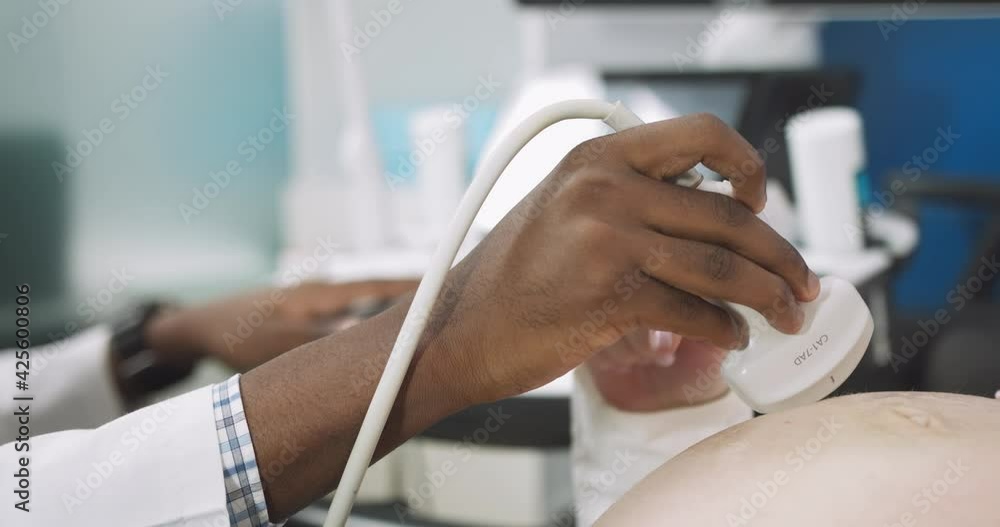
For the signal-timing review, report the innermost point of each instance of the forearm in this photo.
(304, 408)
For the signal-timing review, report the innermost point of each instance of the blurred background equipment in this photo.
(961, 340)
(33, 228)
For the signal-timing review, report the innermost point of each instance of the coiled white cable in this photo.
(617, 117)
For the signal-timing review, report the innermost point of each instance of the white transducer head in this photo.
(779, 371)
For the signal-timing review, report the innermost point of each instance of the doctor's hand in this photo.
(649, 371)
(605, 245)
(247, 330)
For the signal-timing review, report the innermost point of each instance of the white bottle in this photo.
(336, 191)
(826, 156)
(427, 186)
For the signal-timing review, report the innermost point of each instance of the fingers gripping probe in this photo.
(617, 117)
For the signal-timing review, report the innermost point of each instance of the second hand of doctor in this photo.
(182, 336)
(541, 294)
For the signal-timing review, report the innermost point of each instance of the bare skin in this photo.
(882, 459)
(289, 317)
(282, 319)
(602, 247)
(647, 371)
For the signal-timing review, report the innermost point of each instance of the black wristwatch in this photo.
(137, 367)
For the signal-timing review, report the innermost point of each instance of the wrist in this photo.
(441, 377)
(171, 337)
(459, 383)
(138, 365)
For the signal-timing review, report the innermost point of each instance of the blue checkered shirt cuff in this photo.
(244, 492)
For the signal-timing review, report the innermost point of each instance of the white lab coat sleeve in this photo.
(159, 466)
(70, 381)
(612, 450)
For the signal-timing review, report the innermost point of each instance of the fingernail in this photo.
(666, 360)
(800, 317)
(742, 330)
(761, 201)
(666, 339)
(813, 284)
(744, 336)
(654, 339)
